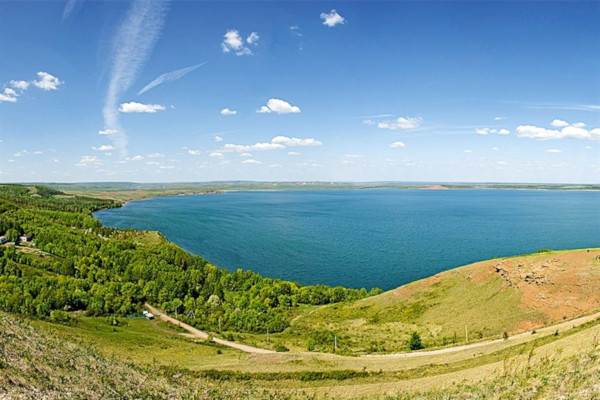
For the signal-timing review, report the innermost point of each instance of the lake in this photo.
(365, 238)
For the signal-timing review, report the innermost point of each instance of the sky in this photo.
(156, 91)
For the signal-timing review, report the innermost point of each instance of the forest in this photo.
(73, 263)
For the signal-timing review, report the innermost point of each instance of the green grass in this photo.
(137, 340)
(439, 312)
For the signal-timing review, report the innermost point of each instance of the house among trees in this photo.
(3, 240)
(26, 237)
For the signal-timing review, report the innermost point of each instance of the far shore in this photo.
(125, 192)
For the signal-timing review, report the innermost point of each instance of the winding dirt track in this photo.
(203, 335)
(540, 331)
(255, 350)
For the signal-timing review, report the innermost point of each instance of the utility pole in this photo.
(467, 332)
(219, 324)
(334, 344)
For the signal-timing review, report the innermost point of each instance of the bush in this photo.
(281, 348)
(415, 342)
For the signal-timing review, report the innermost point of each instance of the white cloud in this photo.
(169, 77)
(486, 131)
(47, 81)
(295, 30)
(397, 144)
(468, 151)
(10, 92)
(227, 111)
(575, 131)
(104, 147)
(194, 152)
(293, 142)
(293, 153)
(257, 146)
(495, 148)
(88, 160)
(216, 154)
(21, 85)
(558, 123)
(275, 166)
(251, 161)
(332, 18)
(134, 158)
(263, 110)
(155, 155)
(134, 107)
(277, 143)
(7, 96)
(108, 132)
(218, 139)
(252, 38)
(401, 123)
(234, 42)
(368, 122)
(245, 154)
(499, 118)
(553, 151)
(278, 106)
(595, 134)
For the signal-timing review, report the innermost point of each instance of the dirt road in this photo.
(540, 332)
(203, 335)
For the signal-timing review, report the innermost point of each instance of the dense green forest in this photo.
(75, 263)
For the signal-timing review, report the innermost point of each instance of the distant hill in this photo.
(481, 300)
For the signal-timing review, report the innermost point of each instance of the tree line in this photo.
(78, 264)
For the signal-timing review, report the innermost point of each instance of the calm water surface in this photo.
(365, 238)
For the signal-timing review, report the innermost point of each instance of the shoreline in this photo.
(143, 195)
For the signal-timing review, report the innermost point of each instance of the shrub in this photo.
(415, 342)
(281, 348)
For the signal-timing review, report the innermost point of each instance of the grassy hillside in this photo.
(46, 360)
(481, 300)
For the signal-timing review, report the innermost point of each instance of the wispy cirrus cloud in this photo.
(72, 6)
(169, 77)
(131, 46)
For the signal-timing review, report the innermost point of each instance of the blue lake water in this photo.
(365, 238)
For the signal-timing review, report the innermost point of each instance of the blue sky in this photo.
(153, 91)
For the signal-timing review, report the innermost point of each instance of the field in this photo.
(540, 361)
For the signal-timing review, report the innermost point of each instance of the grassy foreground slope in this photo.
(40, 363)
(482, 300)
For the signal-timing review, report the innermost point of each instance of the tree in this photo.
(415, 342)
